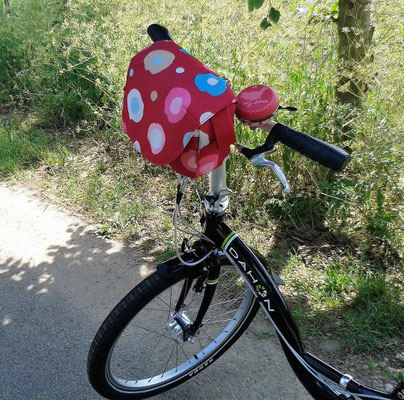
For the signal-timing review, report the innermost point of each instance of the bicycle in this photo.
(185, 315)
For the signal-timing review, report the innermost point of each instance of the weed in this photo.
(335, 283)
(23, 147)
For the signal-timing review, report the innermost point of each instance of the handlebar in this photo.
(322, 152)
(158, 32)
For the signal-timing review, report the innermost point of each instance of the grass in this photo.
(24, 146)
(366, 308)
(336, 240)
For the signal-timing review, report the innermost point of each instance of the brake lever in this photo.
(267, 148)
(256, 156)
(259, 160)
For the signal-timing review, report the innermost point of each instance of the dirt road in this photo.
(58, 282)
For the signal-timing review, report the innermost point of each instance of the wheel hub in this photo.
(178, 327)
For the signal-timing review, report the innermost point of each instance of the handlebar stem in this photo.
(217, 179)
(217, 200)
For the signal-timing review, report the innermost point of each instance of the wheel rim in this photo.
(145, 356)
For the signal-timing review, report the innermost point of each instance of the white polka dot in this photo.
(203, 139)
(187, 138)
(205, 116)
(135, 105)
(180, 70)
(153, 95)
(175, 105)
(136, 145)
(156, 138)
(212, 81)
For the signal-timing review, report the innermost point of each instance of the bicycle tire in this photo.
(107, 349)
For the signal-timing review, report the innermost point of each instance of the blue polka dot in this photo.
(184, 51)
(131, 72)
(211, 84)
(158, 60)
(134, 106)
(187, 138)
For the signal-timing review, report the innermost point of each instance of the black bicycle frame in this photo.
(258, 276)
(267, 294)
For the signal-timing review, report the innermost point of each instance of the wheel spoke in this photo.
(146, 356)
(150, 331)
(158, 297)
(135, 361)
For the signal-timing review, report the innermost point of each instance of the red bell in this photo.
(256, 105)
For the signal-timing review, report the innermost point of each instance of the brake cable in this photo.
(182, 183)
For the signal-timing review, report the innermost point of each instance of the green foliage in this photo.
(265, 24)
(375, 313)
(255, 4)
(21, 148)
(334, 282)
(272, 16)
(67, 60)
(51, 61)
(365, 308)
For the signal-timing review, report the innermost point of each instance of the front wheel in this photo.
(136, 354)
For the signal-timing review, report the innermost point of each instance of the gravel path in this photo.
(57, 284)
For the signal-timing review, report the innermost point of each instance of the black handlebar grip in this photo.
(158, 32)
(324, 153)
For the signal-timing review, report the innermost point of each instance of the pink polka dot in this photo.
(176, 104)
(208, 164)
(156, 138)
(188, 160)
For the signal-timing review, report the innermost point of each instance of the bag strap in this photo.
(223, 125)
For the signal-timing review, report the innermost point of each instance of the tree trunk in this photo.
(354, 34)
(7, 6)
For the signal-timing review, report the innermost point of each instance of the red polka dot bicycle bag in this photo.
(177, 111)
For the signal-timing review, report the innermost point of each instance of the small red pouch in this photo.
(177, 111)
